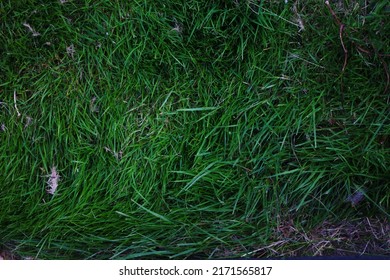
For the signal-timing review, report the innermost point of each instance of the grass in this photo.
(193, 129)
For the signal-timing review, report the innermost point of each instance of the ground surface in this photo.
(194, 129)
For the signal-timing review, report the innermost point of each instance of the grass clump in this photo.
(190, 129)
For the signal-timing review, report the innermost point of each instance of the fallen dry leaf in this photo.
(54, 177)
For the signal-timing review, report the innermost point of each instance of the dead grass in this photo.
(360, 237)
(364, 236)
